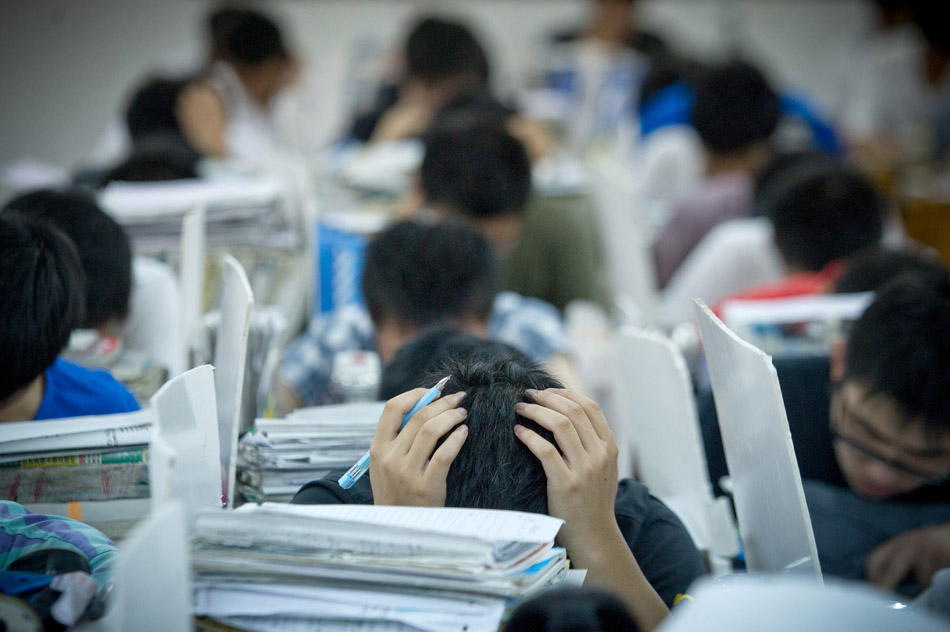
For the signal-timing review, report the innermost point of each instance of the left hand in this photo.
(582, 483)
(919, 553)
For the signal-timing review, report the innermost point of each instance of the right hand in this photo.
(405, 466)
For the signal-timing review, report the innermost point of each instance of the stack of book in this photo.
(93, 468)
(280, 455)
(331, 567)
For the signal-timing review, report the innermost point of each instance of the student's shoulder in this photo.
(636, 508)
(327, 491)
(74, 390)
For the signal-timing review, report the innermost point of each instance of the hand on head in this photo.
(405, 466)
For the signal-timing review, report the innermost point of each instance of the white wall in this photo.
(68, 64)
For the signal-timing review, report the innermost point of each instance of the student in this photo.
(574, 609)
(527, 445)
(416, 276)
(442, 59)
(475, 170)
(734, 113)
(821, 214)
(880, 506)
(41, 302)
(103, 248)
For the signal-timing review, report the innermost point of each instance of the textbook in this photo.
(413, 568)
(279, 456)
(94, 431)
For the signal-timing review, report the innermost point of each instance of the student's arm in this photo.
(203, 118)
(918, 553)
(582, 490)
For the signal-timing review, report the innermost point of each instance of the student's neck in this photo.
(22, 405)
(747, 162)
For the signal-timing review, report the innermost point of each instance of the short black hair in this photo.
(439, 49)
(424, 275)
(156, 158)
(735, 108)
(41, 298)
(823, 212)
(494, 469)
(870, 270)
(151, 109)
(574, 610)
(422, 356)
(103, 247)
(246, 36)
(900, 347)
(476, 168)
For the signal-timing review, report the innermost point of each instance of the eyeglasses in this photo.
(839, 413)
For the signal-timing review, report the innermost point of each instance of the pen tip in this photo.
(441, 383)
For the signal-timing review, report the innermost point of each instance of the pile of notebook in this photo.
(93, 468)
(238, 211)
(278, 456)
(343, 567)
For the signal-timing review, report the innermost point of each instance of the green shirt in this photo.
(560, 257)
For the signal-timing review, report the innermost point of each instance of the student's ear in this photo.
(836, 359)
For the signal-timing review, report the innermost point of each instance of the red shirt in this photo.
(800, 284)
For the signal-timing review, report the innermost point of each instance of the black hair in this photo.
(668, 69)
(439, 49)
(102, 245)
(246, 36)
(900, 347)
(572, 610)
(219, 25)
(735, 108)
(423, 275)
(771, 176)
(870, 270)
(156, 158)
(421, 357)
(475, 167)
(494, 469)
(41, 298)
(822, 212)
(151, 110)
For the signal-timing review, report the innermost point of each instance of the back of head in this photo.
(823, 212)
(103, 247)
(572, 610)
(494, 470)
(156, 158)
(735, 109)
(151, 110)
(438, 50)
(422, 275)
(41, 298)
(870, 270)
(422, 357)
(900, 347)
(248, 37)
(473, 166)
(218, 25)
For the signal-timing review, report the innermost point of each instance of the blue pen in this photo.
(360, 467)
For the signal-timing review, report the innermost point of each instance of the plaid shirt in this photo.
(22, 532)
(531, 325)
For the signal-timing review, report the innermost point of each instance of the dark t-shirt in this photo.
(657, 538)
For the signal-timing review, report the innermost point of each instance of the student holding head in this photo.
(881, 508)
(417, 276)
(41, 303)
(505, 435)
(441, 59)
(735, 113)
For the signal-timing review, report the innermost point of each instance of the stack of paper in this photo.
(330, 567)
(237, 211)
(94, 468)
(281, 455)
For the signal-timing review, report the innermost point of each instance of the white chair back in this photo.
(656, 398)
(767, 489)
(230, 361)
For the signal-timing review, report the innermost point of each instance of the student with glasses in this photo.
(889, 422)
